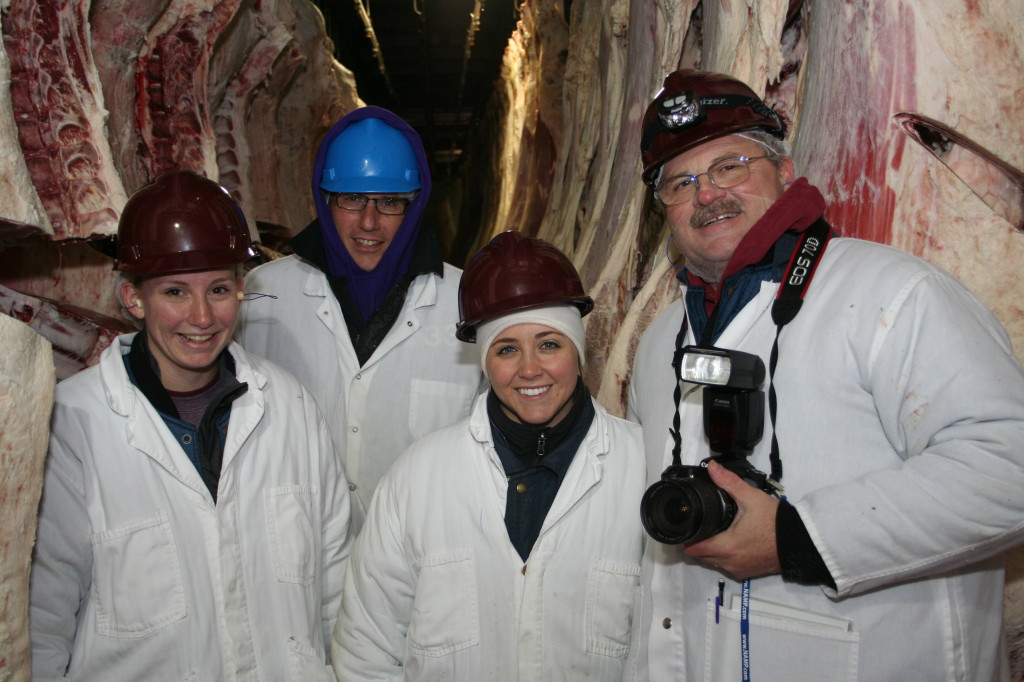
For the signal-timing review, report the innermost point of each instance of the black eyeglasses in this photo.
(722, 174)
(386, 205)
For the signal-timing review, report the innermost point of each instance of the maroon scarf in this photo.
(794, 211)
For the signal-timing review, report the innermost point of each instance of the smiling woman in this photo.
(181, 242)
(538, 474)
(533, 370)
(151, 447)
(189, 319)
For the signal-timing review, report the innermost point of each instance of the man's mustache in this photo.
(719, 207)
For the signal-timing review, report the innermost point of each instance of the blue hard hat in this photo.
(370, 156)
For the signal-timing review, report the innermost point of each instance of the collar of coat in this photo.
(367, 334)
(144, 372)
(525, 440)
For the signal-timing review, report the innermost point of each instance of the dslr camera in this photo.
(685, 506)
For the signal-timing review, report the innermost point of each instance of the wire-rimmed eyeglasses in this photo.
(386, 205)
(723, 174)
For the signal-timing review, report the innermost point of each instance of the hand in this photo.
(746, 549)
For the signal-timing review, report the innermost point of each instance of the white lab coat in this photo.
(138, 575)
(436, 591)
(901, 431)
(419, 379)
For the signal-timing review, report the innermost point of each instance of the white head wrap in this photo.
(563, 317)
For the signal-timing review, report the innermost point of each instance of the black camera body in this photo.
(685, 506)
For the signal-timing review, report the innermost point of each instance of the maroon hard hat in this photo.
(694, 107)
(514, 272)
(181, 222)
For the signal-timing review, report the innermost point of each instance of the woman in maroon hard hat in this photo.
(194, 516)
(506, 546)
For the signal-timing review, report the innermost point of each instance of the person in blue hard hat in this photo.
(365, 307)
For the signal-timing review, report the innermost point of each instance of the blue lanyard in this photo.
(745, 630)
(744, 624)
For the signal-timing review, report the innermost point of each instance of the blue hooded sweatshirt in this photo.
(369, 289)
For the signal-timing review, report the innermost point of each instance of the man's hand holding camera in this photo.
(746, 549)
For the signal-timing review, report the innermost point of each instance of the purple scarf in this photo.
(369, 289)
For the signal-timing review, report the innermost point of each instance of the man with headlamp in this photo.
(878, 554)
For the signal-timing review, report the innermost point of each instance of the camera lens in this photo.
(668, 514)
(685, 508)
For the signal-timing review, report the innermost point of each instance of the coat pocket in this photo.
(306, 664)
(136, 579)
(445, 617)
(291, 513)
(786, 643)
(611, 588)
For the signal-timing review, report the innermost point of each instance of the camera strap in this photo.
(677, 396)
(802, 265)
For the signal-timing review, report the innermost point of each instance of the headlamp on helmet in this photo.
(694, 107)
(680, 111)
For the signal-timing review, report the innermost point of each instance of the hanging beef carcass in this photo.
(58, 111)
(26, 400)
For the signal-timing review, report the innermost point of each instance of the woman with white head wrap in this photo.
(507, 546)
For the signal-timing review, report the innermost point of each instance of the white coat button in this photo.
(358, 377)
(352, 487)
(667, 623)
(186, 439)
(355, 429)
(409, 323)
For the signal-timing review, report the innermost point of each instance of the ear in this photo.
(787, 171)
(131, 299)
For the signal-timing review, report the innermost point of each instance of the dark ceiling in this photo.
(423, 73)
